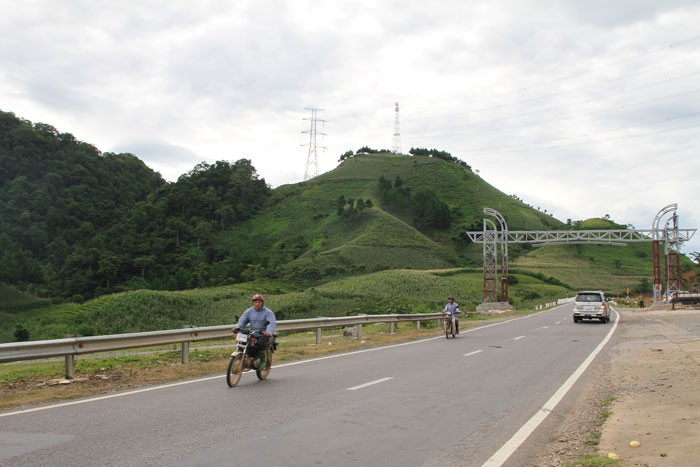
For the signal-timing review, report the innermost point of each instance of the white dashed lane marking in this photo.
(369, 384)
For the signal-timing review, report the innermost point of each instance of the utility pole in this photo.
(396, 142)
(312, 157)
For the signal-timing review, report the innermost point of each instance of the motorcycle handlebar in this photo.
(248, 332)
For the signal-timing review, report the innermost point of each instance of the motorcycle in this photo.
(246, 356)
(450, 319)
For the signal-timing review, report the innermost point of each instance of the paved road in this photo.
(430, 403)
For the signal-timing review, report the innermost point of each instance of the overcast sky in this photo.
(582, 108)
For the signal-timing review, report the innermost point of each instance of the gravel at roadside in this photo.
(649, 382)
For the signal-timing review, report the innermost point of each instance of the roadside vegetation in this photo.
(593, 458)
(383, 292)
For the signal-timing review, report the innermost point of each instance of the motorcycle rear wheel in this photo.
(234, 370)
(449, 329)
(262, 374)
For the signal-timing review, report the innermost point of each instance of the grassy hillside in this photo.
(610, 268)
(393, 291)
(464, 191)
(300, 235)
(12, 299)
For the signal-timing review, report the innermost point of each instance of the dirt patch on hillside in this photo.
(647, 390)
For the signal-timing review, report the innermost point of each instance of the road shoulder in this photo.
(655, 370)
(646, 387)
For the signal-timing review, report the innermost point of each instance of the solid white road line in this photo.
(371, 383)
(502, 455)
(472, 353)
(518, 338)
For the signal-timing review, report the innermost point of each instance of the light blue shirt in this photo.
(263, 320)
(453, 307)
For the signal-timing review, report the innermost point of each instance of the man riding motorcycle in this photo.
(453, 307)
(260, 319)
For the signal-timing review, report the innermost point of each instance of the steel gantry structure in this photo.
(670, 234)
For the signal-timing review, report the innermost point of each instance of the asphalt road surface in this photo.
(468, 401)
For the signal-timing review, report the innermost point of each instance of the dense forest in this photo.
(76, 223)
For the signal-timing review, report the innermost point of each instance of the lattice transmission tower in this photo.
(312, 157)
(396, 142)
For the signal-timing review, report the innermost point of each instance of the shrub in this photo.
(21, 333)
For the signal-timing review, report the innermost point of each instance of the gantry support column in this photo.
(490, 261)
(502, 238)
(658, 234)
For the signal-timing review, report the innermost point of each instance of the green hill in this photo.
(77, 223)
(609, 268)
(12, 299)
(380, 233)
(301, 235)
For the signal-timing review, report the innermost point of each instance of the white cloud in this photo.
(531, 93)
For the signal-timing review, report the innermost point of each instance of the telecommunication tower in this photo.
(396, 143)
(312, 157)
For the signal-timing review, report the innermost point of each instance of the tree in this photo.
(429, 212)
(21, 333)
(360, 205)
(384, 184)
(340, 205)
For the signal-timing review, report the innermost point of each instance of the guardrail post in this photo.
(70, 367)
(358, 331)
(185, 352)
(318, 336)
(418, 325)
(391, 328)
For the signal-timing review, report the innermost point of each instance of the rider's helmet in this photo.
(257, 296)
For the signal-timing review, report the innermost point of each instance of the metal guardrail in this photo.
(74, 346)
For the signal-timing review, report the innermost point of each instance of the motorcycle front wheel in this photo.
(447, 330)
(234, 370)
(262, 374)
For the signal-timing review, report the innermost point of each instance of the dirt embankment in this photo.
(652, 376)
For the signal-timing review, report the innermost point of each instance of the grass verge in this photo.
(594, 459)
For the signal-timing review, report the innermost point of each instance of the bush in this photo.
(21, 333)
